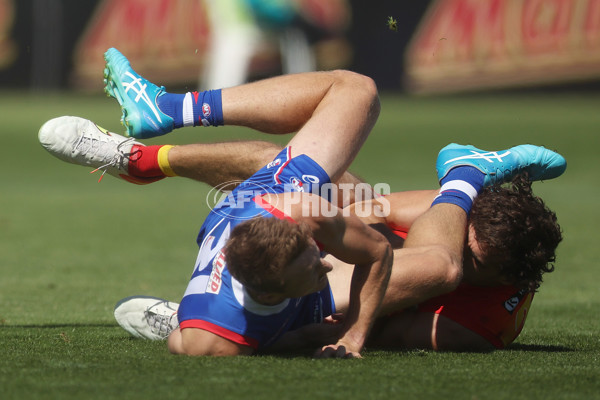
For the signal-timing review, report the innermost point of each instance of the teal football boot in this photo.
(503, 165)
(137, 96)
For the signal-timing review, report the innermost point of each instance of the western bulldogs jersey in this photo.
(214, 300)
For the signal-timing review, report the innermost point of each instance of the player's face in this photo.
(476, 271)
(307, 273)
(473, 254)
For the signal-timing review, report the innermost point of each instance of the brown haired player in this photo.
(221, 312)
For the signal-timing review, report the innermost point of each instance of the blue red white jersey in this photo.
(217, 302)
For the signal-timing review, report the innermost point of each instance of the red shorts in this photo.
(496, 313)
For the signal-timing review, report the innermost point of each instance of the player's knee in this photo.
(268, 150)
(363, 86)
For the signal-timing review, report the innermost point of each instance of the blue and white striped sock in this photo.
(193, 108)
(460, 187)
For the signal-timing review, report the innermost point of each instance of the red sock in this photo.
(143, 162)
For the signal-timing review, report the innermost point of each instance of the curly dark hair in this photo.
(516, 232)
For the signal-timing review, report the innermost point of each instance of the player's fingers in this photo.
(337, 317)
(341, 352)
(324, 352)
(335, 351)
(331, 351)
(353, 354)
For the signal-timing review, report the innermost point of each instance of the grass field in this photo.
(70, 248)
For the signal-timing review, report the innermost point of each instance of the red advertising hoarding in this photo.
(474, 44)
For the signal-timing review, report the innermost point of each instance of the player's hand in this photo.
(318, 334)
(336, 351)
(335, 318)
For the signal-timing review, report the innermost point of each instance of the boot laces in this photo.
(160, 324)
(107, 153)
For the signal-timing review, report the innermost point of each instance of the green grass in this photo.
(70, 248)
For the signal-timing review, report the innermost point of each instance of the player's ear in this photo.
(471, 236)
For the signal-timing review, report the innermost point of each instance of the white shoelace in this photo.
(160, 324)
(106, 151)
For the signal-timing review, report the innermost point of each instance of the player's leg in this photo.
(219, 163)
(333, 112)
(80, 141)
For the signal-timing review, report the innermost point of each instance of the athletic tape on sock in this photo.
(163, 160)
(457, 192)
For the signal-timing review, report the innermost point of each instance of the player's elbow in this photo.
(449, 266)
(387, 257)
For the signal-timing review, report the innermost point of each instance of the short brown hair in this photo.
(259, 249)
(516, 230)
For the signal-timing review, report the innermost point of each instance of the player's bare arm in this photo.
(431, 264)
(397, 210)
(350, 240)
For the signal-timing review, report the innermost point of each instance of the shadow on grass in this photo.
(308, 352)
(539, 348)
(56, 326)
(513, 347)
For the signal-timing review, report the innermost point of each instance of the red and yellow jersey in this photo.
(497, 313)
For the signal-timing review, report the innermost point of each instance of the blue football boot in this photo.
(137, 96)
(503, 165)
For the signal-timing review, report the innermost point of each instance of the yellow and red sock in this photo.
(150, 161)
(162, 158)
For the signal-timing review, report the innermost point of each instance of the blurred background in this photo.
(489, 72)
(425, 47)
